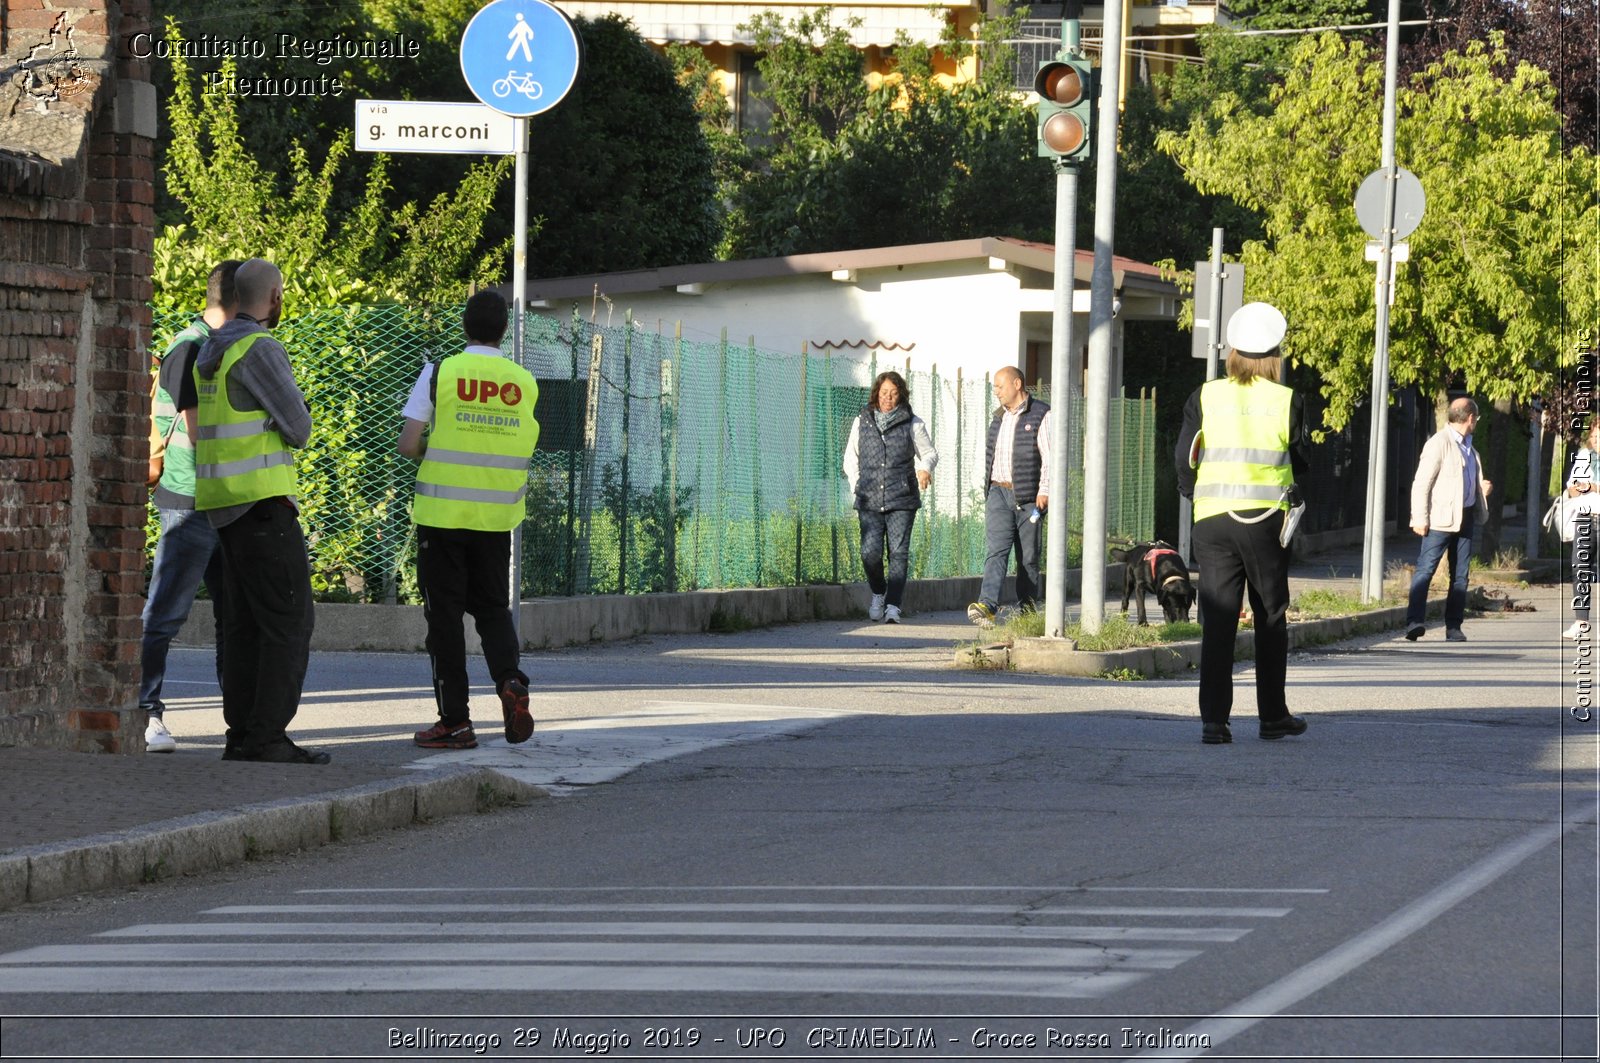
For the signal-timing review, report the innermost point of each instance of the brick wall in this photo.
(77, 122)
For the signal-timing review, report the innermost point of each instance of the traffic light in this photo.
(1066, 109)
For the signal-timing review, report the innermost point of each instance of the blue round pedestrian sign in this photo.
(519, 57)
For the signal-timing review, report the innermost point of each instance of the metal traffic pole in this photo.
(1097, 401)
(519, 281)
(1377, 449)
(1063, 376)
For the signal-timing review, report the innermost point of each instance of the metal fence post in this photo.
(800, 468)
(760, 517)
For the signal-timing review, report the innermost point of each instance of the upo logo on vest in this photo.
(484, 390)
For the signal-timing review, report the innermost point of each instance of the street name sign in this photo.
(454, 128)
(520, 57)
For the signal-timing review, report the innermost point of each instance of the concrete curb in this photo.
(208, 841)
(1055, 657)
(552, 622)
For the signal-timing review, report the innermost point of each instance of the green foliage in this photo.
(620, 172)
(237, 207)
(910, 161)
(1495, 264)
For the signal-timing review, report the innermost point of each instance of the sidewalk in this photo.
(80, 822)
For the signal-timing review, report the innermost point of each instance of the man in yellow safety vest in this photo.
(470, 421)
(250, 418)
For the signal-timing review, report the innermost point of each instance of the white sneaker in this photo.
(891, 615)
(875, 610)
(1578, 629)
(157, 739)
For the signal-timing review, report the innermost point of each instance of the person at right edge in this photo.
(251, 416)
(1241, 473)
(470, 496)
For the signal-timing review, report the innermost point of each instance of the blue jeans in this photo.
(1457, 545)
(1006, 527)
(893, 528)
(186, 553)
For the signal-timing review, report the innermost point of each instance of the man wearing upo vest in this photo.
(470, 421)
(1239, 451)
(250, 418)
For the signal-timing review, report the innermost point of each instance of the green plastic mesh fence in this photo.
(663, 464)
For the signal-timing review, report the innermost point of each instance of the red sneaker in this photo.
(447, 736)
(514, 706)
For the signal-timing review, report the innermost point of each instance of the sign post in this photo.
(521, 58)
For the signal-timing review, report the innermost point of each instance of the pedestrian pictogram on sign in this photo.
(520, 57)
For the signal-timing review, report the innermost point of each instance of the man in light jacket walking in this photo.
(1449, 499)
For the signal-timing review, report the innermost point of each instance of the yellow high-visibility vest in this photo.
(474, 473)
(1244, 447)
(238, 459)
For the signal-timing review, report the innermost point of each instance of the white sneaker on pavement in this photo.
(891, 614)
(875, 610)
(157, 739)
(1578, 629)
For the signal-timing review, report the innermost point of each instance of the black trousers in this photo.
(1231, 555)
(462, 571)
(267, 624)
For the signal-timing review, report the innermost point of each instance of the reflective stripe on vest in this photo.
(1244, 448)
(474, 473)
(238, 459)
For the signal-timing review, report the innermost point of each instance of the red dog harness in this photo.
(1153, 555)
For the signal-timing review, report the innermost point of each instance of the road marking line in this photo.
(1372, 942)
(455, 890)
(672, 929)
(522, 980)
(796, 909)
(597, 952)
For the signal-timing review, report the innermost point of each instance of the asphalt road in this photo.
(916, 863)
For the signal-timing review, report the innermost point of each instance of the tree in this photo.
(910, 160)
(1493, 268)
(620, 174)
(1558, 36)
(235, 207)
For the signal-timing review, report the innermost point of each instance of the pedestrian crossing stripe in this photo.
(995, 950)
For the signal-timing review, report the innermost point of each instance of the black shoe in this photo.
(1454, 634)
(1414, 632)
(1215, 734)
(1289, 725)
(285, 752)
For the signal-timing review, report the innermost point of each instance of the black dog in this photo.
(1156, 568)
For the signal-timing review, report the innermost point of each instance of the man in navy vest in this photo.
(1016, 475)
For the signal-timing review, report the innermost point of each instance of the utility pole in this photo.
(1055, 83)
(1097, 402)
(1377, 448)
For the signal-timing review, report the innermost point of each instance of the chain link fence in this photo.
(663, 464)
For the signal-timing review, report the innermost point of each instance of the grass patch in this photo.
(1120, 633)
(1319, 603)
(1123, 675)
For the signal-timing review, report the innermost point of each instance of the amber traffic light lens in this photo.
(1063, 85)
(1062, 133)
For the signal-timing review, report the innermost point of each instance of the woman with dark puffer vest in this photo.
(888, 460)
